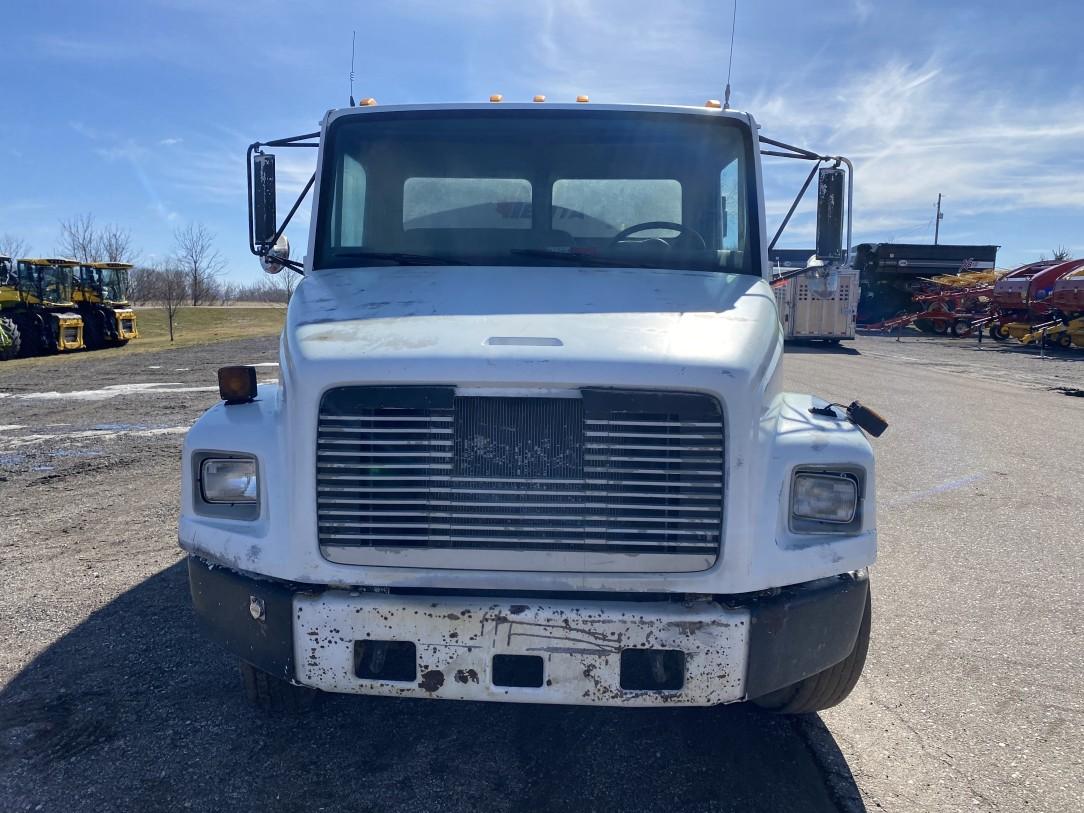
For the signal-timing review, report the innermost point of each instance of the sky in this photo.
(140, 112)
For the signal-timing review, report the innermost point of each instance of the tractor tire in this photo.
(824, 689)
(29, 337)
(1063, 339)
(12, 330)
(939, 326)
(961, 328)
(998, 332)
(94, 335)
(275, 695)
(924, 325)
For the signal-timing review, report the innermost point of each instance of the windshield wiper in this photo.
(580, 259)
(399, 257)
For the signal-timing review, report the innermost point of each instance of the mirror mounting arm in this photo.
(263, 249)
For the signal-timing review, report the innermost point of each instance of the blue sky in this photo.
(140, 111)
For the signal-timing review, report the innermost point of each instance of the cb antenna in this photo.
(353, 37)
(730, 62)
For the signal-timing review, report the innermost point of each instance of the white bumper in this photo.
(579, 643)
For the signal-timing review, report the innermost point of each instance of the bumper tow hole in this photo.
(386, 660)
(652, 669)
(518, 671)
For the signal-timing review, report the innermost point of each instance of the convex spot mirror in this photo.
(271, 261)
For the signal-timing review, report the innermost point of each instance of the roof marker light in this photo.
(582, 99)
(367, 102)
(496, 97)
(713, 103)
(539, 98)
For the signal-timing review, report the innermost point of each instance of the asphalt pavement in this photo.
(110, 699)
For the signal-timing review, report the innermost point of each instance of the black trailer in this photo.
(892, 273)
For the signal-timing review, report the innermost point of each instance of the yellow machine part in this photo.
(1018, 330)
(1075, 329)
(69, 332)
(126, 325)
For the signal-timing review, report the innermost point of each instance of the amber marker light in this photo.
(496, 97)
(237, 385)
(367, 102)
(539, 98)
(715, 103)
(582, 99)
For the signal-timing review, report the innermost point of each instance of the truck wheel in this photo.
(961, 328)
(998, 332)
(12, 331)
(824, 689)
(273, 694)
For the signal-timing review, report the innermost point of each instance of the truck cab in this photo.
(530, 441)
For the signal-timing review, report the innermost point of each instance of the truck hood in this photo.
(530, 326)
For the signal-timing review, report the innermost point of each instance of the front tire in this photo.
(15, 338)
(275, 695)
(824, 689)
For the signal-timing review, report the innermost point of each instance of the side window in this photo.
(731, 206)
(466, 203)
(349, 224)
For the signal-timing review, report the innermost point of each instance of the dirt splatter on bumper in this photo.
(580, 645)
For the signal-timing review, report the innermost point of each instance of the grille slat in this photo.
(610, 472)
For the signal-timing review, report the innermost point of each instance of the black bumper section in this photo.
(803, 630)
(793, 634)
(224, 601)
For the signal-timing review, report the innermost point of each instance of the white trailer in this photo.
(820, 304)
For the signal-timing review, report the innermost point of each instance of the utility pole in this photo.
(937, 221)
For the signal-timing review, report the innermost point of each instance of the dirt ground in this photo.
(111, 699)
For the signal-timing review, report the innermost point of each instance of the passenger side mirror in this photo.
(264, 217)
(830, 197)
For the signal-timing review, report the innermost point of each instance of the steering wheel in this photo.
(683, 231)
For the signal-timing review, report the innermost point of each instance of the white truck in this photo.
(530, 441)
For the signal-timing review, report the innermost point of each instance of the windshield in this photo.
(527, 187)
(114, 285)
(46, 283)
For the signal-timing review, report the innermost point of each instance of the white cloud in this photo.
(916, 130)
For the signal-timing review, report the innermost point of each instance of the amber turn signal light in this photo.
(237, 385)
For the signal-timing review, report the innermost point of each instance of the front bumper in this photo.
(587, 652)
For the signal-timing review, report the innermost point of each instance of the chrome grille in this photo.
(609, 472)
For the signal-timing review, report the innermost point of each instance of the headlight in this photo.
(825, 501)
(228, 480)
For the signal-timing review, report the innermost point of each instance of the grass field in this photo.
(193, 326)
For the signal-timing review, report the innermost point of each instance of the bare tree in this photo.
(143, 285)
(1061, 254)
(286, 281)
(172, 284)
(195, 252)
(13, 246)
(83, 240)
(114, 245)
(79, 238)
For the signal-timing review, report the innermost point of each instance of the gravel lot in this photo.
(110, 699)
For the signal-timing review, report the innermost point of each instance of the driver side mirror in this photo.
(264, 216)
(830, 197)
